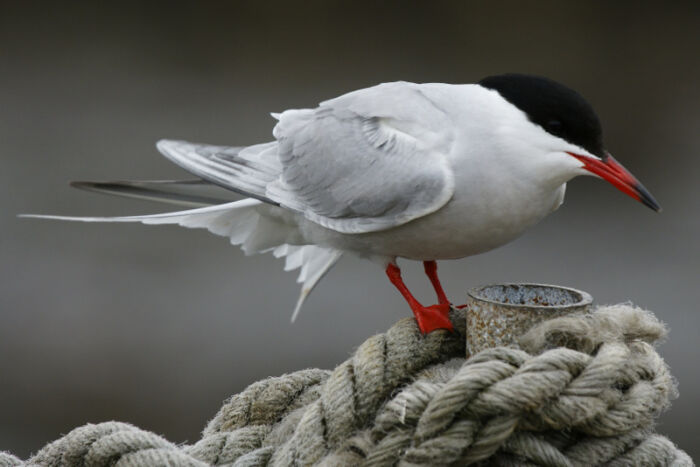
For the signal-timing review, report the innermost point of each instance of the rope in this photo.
(585, 390)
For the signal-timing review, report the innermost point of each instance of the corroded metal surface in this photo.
(498, 314)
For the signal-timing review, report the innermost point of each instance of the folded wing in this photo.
(366, 161)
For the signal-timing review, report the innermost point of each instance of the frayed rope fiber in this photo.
(584, 391)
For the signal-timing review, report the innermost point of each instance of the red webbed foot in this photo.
(429, 318)
(433, 317)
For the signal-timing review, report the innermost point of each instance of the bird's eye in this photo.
(554, 125)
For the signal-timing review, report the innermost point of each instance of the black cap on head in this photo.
(559, 110)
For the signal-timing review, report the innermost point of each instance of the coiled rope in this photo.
(584, 391)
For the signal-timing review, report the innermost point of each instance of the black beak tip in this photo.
(653, 205)
(647, 199)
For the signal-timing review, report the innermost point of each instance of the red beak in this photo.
(612, 171)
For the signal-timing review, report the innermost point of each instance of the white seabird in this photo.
(400, 170)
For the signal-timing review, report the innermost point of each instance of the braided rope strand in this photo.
(585, 390)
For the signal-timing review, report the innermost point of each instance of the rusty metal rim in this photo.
(586, 298)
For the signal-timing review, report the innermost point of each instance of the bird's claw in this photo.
(433, 317)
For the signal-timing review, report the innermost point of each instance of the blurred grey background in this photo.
(156, 326)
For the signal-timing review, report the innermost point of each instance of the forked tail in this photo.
(246, 224)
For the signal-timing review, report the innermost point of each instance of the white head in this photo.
(566, 132)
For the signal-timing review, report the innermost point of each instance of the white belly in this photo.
(463, 227)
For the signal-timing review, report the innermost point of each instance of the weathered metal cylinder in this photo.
(498, 314)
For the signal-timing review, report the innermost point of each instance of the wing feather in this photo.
(367, 161)
(246, 170)
(190, 193)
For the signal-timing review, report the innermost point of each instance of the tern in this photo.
(424, 172)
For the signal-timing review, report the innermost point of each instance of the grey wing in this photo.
(367, 161)
(190, 193)
(245, 170)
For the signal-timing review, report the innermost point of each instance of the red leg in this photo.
(429, 318)
(431, 272)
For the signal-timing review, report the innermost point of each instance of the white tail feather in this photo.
(315, 263)
(244, 222)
